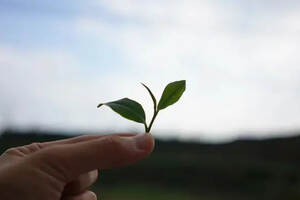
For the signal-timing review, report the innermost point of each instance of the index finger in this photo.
(107, 152)
(82, 138)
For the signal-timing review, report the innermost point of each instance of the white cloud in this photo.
(46, 89)
(242, 74)
(240, 61)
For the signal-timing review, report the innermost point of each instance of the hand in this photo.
(64, 169)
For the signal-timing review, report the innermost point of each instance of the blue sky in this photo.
(240, 60)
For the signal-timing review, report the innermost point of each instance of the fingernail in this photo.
(143, 142)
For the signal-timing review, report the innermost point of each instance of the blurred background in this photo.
(233, 135)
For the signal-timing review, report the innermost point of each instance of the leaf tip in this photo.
(99, 105)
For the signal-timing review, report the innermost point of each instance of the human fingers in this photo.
(81, 184)
(111, 151)
(83, 138)
(34, 147)
(87, 195)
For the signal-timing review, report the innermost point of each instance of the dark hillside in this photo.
(245, 169)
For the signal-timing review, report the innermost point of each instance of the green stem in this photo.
(146, 128)
(155, 110)
(151, 123)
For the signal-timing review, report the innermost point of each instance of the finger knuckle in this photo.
(114, 142)
(12, 151)
(24, 150)
(34, 147)
(53, 161)
(92, 196)
(93, 175)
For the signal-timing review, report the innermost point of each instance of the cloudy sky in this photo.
(240, 59)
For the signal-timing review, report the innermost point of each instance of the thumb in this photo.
(70, 160)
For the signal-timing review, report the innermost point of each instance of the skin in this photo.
(65, 169)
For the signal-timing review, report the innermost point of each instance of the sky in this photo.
(240, 60)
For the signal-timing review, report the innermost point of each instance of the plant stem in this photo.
(155, 110)
(146, 128)
(152, 120)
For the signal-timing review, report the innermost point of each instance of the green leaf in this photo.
(152, 96)
(128, 108)
(171, 94)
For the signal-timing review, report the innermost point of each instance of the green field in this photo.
(138, 192)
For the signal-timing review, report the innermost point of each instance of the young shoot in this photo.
(134, 111)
